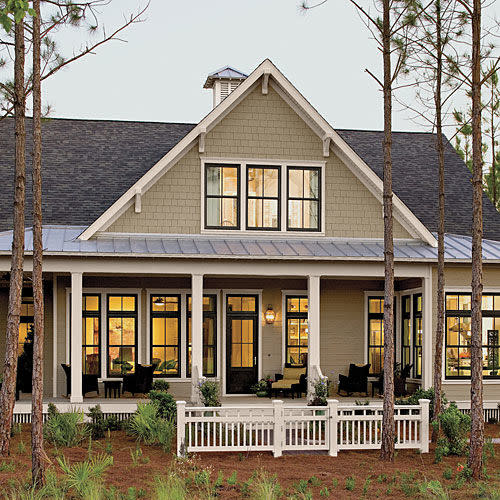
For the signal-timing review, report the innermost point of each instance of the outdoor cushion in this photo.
(290, 376)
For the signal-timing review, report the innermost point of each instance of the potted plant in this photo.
(261, 388)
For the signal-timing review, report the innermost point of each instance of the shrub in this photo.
(146, 426)
(422, 394)
(171, 488)
(350, 483)
(161, 385)
(209, 392)
(99, 424)
(165, 403)
(265, 487)
(65, 429)
(454, 425)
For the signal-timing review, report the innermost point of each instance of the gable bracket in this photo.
(326, 145)
(138, 202)
(265, 82)
(201, 141)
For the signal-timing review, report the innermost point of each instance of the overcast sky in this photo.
(158, 74)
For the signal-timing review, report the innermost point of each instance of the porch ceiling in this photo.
(63, 240)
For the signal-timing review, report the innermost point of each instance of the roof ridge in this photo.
(105, 120)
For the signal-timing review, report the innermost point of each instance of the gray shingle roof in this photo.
(415, 179)
(88, 164)
(61, 239)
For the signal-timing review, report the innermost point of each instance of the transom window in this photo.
(165, 335)
(222, 196)
(458, 335)
(263, 197)
(303, 199)
(297, 332)
(271, 197)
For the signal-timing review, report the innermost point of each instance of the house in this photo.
(232, 247)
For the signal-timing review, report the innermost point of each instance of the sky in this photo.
(157, 74)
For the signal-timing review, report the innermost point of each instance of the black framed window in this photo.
(406, 330)
(297, 332)
(165, 334)
(303, 199)
(209, 336)
(91, 334)
(458, 335)
(121, 334)
(263, 197)
(417, 335)
(26, 322)
(222, 196)
(376, 334)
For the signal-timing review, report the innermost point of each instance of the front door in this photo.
(241, 342)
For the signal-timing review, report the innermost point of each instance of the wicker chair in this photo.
(89, 381)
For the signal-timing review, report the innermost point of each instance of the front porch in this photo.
(216, 324)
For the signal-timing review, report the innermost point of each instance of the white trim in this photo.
(260, 319)
(54, 335)
(319, 125)
(283, 165)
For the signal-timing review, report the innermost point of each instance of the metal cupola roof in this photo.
(225, 73)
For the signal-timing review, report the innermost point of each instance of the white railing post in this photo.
(424, 425)
(278, 432)
(333, 418)
(181, 428)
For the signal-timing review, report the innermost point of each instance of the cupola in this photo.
(223, 82)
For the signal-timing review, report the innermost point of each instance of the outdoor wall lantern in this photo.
(270, 315)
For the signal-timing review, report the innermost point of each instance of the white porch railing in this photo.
(279, 428)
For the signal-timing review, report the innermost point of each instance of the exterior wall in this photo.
(260, 127)
(459, 276)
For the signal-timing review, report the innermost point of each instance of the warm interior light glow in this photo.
(270, 315)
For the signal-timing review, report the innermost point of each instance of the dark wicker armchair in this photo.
(89, 382)
(141, 381)
(356, 381)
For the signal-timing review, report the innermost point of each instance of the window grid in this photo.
(167, 367)
(207, 346)
(296, 309)
(417, 335)
(262, 198)
(458, 321)
(303, 199)
(91, 351)
(406, 330)
(127, 352)
(221, 197)
(26, 322)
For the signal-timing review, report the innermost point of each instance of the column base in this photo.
(76, 399)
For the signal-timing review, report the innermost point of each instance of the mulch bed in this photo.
(290, 469)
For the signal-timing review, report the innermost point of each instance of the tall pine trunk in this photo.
(477, 426)
(493, 144)
(38, 457)
(387, 449)
(7, 394)
(438, 351)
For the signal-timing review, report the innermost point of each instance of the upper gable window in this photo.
(263, 197)
(304, 202)
(222, 197)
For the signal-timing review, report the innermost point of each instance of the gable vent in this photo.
(223, 82)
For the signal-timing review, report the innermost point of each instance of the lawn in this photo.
(229, 475)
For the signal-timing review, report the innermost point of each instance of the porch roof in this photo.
(63, 240)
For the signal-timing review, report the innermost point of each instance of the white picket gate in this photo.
(279, 428)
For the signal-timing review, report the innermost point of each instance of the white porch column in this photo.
(76, 338)
(313, 325)
(196, 334)
(427, 337)
(54, 335)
